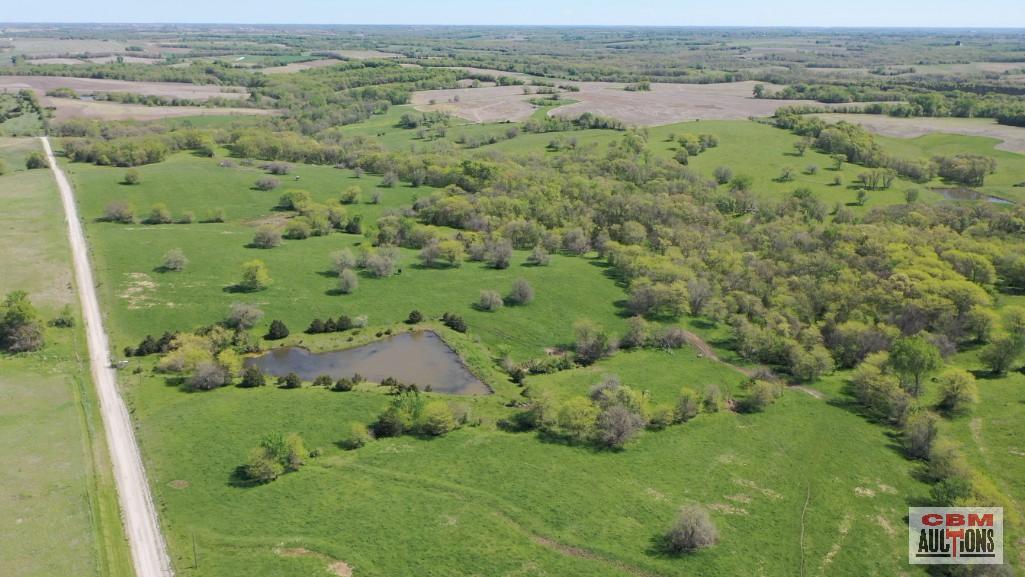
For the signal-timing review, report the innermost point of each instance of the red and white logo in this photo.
(956, 535)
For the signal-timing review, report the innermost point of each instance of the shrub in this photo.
(712, 401)
(297, 229)
(119, 211)
(243, 316)
(670, 338)
(415, 317)
(617, 425)
(323, 381)
(522, 293)
(277, 330)
(131, 176)
(489, 301)
(278, 168)
(957, 390)
(276, 455)
(343, 385)
(357, 436)
(454, 322)
(760, 394)
(351, 195)
(592, 342)
(539, 256)
(36, 160)
(342, 260)
(174, 260)
(267, 183)
(252, 376)
(290, 381)
(380, 265)
(159, 214)
(919, 434)
(437, 419)
(209, 375)
(65, 319)
(692, 530)
(951, 491)
(723, 174)
(348, 282)
(687, 406)
(499, 253)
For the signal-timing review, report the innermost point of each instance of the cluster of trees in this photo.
(693, 145)
(409, 413)
(342, 324)
(120, 150)
(613, 414)
(889, 385)
(21, 327)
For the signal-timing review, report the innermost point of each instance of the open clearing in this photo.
(663, 104)
(300, 66)
(1012, 137)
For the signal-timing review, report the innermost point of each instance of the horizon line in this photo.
(527, 25)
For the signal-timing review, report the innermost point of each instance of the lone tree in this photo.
(913, 359)
(175, 260)
(21, 329)
(277, 330)
(348, 282)
(692, 530)
(254, 276)
(131, 176)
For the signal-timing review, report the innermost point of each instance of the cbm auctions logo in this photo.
(956, 535)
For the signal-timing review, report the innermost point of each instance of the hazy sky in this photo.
(925, 13)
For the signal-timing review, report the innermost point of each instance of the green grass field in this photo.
(58, 506)
(482, 501)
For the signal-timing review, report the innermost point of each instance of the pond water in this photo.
(420, 357)
(969, 194)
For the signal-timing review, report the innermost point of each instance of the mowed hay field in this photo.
(1011, 138)
(663, 104)
(58, 506)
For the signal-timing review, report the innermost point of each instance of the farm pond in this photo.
(417, 357)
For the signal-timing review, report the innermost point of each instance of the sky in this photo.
(849, 13)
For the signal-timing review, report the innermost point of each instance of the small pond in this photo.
(969, 194)
(419, 357)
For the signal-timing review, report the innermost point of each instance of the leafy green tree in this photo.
(437, 419)
(252, 376)
(576, 418)
(254, 276)
(277, 330)
(21, 329)
(913, 359)
(920, 433)
(36, 160)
